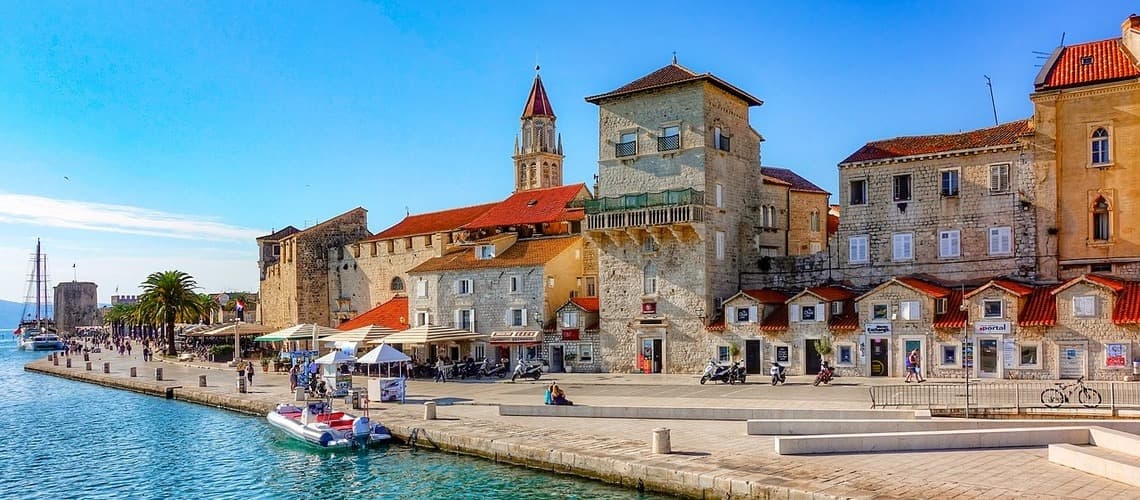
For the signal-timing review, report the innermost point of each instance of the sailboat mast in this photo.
(37, 277)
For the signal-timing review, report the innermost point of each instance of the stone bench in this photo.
(930, 440)
(808, 427)
(668, 413)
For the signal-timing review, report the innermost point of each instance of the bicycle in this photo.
(1054, 397)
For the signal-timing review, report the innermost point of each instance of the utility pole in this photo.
(990, 84)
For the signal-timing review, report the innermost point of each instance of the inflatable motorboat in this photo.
(318, 425)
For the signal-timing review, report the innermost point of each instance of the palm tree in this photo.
(169, 296)
(208, 305)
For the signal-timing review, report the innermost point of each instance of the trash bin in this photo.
(241, 384)
(355, 395)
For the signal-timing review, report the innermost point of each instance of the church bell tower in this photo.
(538, 147)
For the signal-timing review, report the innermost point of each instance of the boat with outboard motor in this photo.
(317, 424)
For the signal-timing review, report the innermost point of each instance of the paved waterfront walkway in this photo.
(714, 448)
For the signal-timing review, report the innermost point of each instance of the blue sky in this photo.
(143, 136)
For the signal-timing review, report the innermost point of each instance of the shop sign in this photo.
(782, 353)
(992, 327)
(648, 308)
(570, 334)
(877, 328)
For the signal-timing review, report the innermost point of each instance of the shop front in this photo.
(651, 350)
(517, 345)
(878, 337)
(994, 349)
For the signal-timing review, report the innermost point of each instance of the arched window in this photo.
(397, 284)
(1099, 146)
(1100, 220)
(522, 174)
(649, 278)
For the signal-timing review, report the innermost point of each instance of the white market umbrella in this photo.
(365, 333)
(429, 334)
(384, 353)
(334, 358)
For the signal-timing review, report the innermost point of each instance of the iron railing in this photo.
(669, 143)
(652, 216)
(634, 201)
(997, 395)
(625, 148)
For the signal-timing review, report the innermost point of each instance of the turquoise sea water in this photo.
(67, 439)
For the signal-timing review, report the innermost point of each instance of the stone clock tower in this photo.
(538, 148)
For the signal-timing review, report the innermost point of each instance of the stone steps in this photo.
(1110, 453)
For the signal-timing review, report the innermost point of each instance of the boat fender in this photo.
(326, 438)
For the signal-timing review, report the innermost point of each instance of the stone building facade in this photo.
(794, 218)
(953, 206)
(574, 338)
(678, 166)
(1088, 151)
(294, 269)
(743, 315)
(76, 304)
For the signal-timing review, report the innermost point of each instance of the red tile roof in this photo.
(798, 183)
(776, 321)
(433, 222)
(673, 74)
(537, 104)
(832, 293)
(766, 296)
(530, 207)
(588, 304)
(1014, 287)
(1107, 61)
(931, 289)
(846, 322)
(1040, 308)
(1000, 135)
(392, 314)
(1128, 305)
(954, 317)
(534, 252)
(716, 326)
(832, 224)
(1110, 283)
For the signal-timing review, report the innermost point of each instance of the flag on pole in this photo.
(239, 306)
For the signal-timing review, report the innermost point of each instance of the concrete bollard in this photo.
(86, 357)
(158, 373)
(661, 445)
(68, 362)
(429, 410)
(106, 367)
(241, 384)
(201, 381)
(88, 366)
(300, 394)
(134, 372)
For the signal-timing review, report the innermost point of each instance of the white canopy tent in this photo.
(429, 334)
(385, 354)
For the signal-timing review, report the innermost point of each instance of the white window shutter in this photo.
(472, 320)
(819, 312)
(524, 317)
(457, 286)
(730, 313)
(753, 314)
(795, 312)
(457, 316)
(507, 318)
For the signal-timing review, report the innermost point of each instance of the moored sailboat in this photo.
(36, 332)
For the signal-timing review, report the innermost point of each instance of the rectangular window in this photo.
(585, 353)
(464, 287)
(484, 252)
(999, 178)
(902, 187)
(902, 246)
(950, 182)
(1029, 355)
(719, 196)
(1084, 306)
(550, 282)
(909, 310)
(670, 139)
(514, 284)
(836, 308)
(422, 318)
(516, 317)
(408, 243)
(1001, 241)
(390, 246)
(375, 248)
(720, 141)
(479, 350)
(949, 355)
(949, 244)
(1116, 355)
(276, 250)
(807, 313)
(857, 249)
(570, 319)
(428, 240)
(723, 353)
(940, 306)
(720, 245)
(421, 288)
(648, 244)
(591, 286)
(627, 145)
(465, 319)
(992, 308)
(769, 251)
(858, 192)
(880, 311)
(845, 355)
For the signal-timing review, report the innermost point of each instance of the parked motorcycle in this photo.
(779, 373)
(738, 373)
(825, 375)
(718, 372)
(527, 369)
(493, 369)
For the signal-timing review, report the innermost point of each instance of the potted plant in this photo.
(264, 364)
(734, 350)
(569, 365)
(823, 348)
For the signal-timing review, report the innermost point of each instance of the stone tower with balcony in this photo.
(538, 147)
(678, 174)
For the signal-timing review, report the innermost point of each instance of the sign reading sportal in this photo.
(877, 328)
(994, 327)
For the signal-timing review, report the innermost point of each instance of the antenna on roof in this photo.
(990, 84)
(674, 57)
(1062, 39)
(407, 211)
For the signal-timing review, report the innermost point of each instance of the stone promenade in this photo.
(711, 458)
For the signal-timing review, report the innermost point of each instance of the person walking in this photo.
(249, 372)
(440, 375)
(916, 364)
(909, 367)
(293, 372)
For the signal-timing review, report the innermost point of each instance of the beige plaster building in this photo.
(1087, 147)
(951, 206)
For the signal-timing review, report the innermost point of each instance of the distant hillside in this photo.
(10, 314)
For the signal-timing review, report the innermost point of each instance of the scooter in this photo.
(825, 375)
(527, 369)
(492, 369)
(738, 373)
(779, 373)
(717, 372)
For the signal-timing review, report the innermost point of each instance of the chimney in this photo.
(1130, 36)
(437, 244)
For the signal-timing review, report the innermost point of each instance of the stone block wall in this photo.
(490, 298)
(373, 264)
(801, 236)
(1094, 332)
(76, 304)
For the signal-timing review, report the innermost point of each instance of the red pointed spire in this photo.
(537, 104)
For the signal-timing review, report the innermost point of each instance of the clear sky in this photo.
(144, 136)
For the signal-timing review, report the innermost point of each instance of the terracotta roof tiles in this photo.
(931, 289)
(846, 322)
(1086, 64)
(673, 74)
(588, 304)
(533, 252)
(793, 179)
(898, 147)
(392, 314)
(954, 317)
(1128, 305)
(537, 104)
(433, 222)
(832, 293)
(776, 321)
(1040, 309)
(766, 295)
(533, 206)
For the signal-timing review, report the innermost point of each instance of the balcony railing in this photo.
(625, 148)
(673, 197)
(651, 216)
(669, 143)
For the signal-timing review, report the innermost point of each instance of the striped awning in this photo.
(516, 337)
